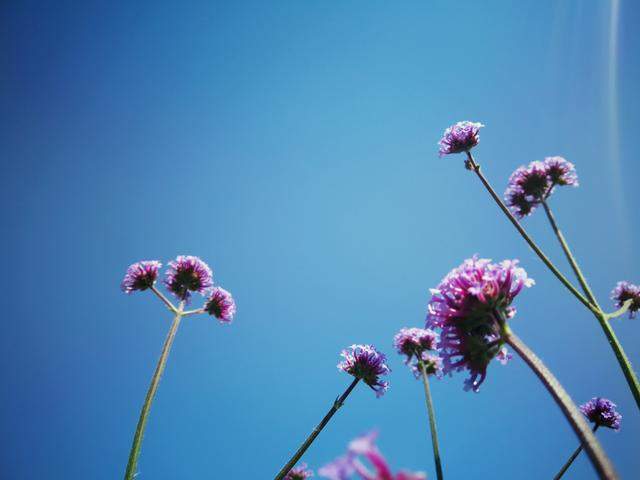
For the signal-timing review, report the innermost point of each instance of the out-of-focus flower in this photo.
(503, 356)
(368, 364)
(469, 306)
(299, 472)
(432, 365)
(140, 276)
(461, 137)
(561, 172)
(221, 305)
(414, 341)
(627, 291)
(188, 274)
(602, 412)
(340, 469)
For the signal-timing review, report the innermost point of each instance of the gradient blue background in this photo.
(292, 145)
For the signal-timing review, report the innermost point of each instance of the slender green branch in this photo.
(193, 312)
(598, 458)
(164, 299)
(432, 420)
(316, 431)
(472, 165)
(621, 311)
(146, 407)
(573, 456)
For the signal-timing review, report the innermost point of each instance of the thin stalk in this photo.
(598, 458)
(432, 421)
(623, 360)
(316, 431)
(151, 393)
(573, 456)
(472, 165)
(164, 299)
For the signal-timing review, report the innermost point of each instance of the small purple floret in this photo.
(461, 137)
(221, 305)
(413, 341)
(368, 364)
(627, 291)
(140, 276)
(188, 274)
(299, 472)
(465, 306)
(602, 412)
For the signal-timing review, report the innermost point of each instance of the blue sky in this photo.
(292, 145)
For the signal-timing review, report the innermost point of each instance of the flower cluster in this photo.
(627, 291)
(602, 412)
(470, 306)
(299, 472)
(415, 344)
(140, 276)
(367, 364)
(188, 274)
(529, 186)
(221, 305)
(344, 467)
(461, 137)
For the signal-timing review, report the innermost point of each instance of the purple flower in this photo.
(368, 364)
(340, 469)
(561, 172)
(221, 305)
(461, 137)
(602, 412)
(627, 291)
(432, 365)
(469, 306)
(413, 341)
(188, 274)
(140, 276)
(299, 472)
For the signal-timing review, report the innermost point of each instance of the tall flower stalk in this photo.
(363, 362)
(432, 420)
(185, 275)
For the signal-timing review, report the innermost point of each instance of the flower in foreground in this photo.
(465, 306)
(364, 446)
(460, 137)
(221, 305)
(299, 472)
(627, 291)
(367, 364)
(140, 276)
(602, 412)
(188, 274)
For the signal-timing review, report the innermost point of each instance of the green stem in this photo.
(598, 458)
(316, 431)
(573, 456)
(432, 421)
(625, 364)
(472, 165)
(146, 407)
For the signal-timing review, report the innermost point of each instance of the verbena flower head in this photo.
(140, 276)
(414, 341)
(299, 472)
(432, 365)
(602, 412)
(221, 305)
(188, 274)
(368, 364)
(627, 291)
(561, 172)
(465, 306)
(461, 137)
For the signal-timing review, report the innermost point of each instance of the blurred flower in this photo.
(432, 365)
(340, 469)
(413, 341)
(461, 137)
(627, 291)
(469, 306)
(503, 356)
(188, 274)
(140, 276)
(299, 472)
(561, 172)
(366, 363)
(221, 305)
(602, 412)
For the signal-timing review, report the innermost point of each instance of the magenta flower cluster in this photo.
(469, 306)
(299, 472)
(460, 137)
(221, 305)
(602, 412)
(365, 447)
(367, 364)
(140, 276)
(188, 274)
(416, 344)
(531, 185)
(627, 291)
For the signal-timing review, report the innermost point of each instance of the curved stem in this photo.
(472, 165)
(316, 431)
(621, 356)
(432, 420)
(573, 456)
(146, 407)
(598, 458)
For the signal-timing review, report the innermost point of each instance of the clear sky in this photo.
(292, 145)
